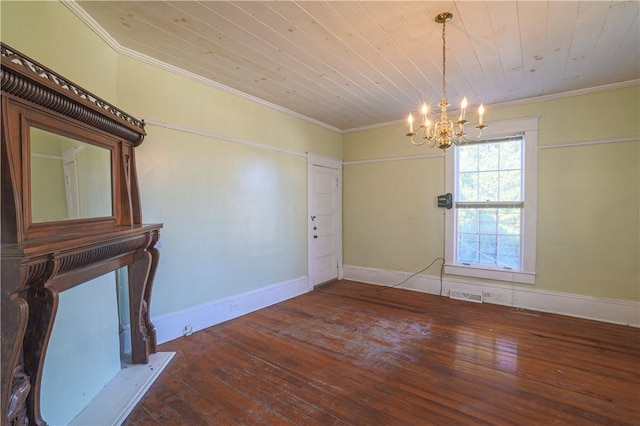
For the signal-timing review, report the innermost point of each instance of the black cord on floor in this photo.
(420, 271)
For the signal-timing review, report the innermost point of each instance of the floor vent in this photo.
(468, 296)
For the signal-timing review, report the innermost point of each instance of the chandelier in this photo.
(444, 132)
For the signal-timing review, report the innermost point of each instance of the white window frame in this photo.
(529, 127)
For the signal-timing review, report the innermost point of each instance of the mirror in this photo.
(70, 179)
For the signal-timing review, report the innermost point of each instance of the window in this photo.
(489, 203)
(491, 229)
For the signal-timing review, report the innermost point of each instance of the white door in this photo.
(325, 219)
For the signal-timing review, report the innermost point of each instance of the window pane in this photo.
(467, 248)
(488, 220)
(509, 251)
(511, 155)
(510, 185)
(488, 184)
(488, 250)
(468, 220)
(468, 158)
(468, 187)
(509, 221)
(488, 156)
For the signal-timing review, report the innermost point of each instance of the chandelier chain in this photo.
(444, 64)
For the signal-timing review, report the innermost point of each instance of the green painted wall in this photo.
(588, 203)
(49, 33)
(390, 217)
(234, 215)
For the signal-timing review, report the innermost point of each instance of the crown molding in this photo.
(104, 35)
(92, 24)
(568, 94)
(521, 102)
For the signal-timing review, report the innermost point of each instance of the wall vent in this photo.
(469, 296)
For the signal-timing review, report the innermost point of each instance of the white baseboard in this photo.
(607, 310)
(119, 397)
(171, 326)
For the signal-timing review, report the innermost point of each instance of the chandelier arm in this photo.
(465, 138)
(414, 142)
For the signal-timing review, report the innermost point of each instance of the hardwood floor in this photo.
(350, 354)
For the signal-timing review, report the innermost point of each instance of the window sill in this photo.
(491, 274)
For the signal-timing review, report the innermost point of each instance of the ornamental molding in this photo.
(26, 79)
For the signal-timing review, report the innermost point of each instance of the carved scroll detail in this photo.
(17, 407)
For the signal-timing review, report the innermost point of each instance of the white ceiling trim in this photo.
(93, 25)
(520, 102)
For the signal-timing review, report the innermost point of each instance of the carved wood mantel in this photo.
(42, 259)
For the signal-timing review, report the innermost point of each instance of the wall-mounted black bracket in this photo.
(445, 200)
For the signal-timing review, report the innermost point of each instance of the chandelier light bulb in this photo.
(463, 110)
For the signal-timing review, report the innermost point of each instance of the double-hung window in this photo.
(491, 229)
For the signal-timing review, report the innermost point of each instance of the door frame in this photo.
(71, 187)
(331, 163)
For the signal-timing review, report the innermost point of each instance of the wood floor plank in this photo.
(356, 354)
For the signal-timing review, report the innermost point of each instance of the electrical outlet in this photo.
(234, 307)
(188, 330)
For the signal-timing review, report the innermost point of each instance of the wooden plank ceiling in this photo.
(351, 64)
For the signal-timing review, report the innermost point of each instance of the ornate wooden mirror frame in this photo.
(40, 259)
